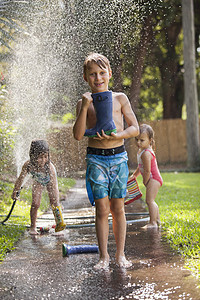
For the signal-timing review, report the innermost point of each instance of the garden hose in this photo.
(128, 222)
(12, 207)
(93, 216)
(110, 223)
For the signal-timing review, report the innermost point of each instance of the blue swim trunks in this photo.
(106, 176)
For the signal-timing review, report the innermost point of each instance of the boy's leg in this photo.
(36, 200)
(102, 231)
(151, 193)
(119, 229)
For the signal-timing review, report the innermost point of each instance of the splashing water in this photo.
(48, 60)
(28, 86)
(34, 76)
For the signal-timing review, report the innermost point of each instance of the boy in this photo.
(107, 169)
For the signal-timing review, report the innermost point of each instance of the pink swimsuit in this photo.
(155, 173)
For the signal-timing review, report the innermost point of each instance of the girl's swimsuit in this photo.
(155, 173)
(42, 178)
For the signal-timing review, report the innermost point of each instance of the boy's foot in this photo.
(150, 226)
(122, 262)
(103, 264)
(33, 231)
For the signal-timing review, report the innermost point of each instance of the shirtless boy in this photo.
(106, 157)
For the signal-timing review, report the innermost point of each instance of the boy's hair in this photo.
(98, 59)
(149, 131)
(37, 147)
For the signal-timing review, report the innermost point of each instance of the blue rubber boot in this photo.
(103, 106)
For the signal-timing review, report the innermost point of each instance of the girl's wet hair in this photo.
(149, 131)
(37, 147)
(98, 59)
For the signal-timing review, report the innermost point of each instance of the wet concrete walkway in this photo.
(37, 269)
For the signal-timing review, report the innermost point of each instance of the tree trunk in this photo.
(140, 53)
(171, 77)
(171, 89)
(190, 87)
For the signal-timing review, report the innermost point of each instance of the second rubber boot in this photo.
(103, 107)
(60, 224)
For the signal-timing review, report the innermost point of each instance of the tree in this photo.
(159, 46)
(146, 35)
(156, 44)
(169, 63)
(190, 87)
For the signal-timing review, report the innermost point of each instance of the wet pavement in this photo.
(37, 269)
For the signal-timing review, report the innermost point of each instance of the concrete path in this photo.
(38, 270)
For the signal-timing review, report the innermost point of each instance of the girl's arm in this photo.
(20, 180)
(136, 173)
(146, 160)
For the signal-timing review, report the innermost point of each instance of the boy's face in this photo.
(98, 78)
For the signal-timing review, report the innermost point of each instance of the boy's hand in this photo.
(86, 99)
(104, 136)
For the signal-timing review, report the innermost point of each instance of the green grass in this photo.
(179, 205)
(15, 226)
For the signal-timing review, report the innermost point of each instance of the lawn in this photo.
(20, 217)
(179, 206)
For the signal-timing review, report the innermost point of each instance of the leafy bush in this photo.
(6, 130)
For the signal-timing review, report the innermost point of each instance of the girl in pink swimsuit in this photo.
(147, 166)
